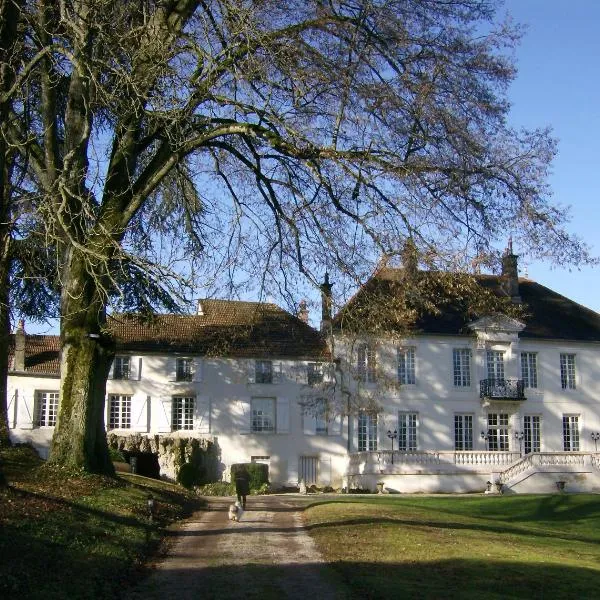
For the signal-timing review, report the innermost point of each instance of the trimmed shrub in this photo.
(190, 475)
(218, 488)
(258, 474)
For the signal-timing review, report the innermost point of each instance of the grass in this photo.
(65, 535)
(462, 547)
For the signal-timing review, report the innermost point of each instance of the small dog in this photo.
(235, 512)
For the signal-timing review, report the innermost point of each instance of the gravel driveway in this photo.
(267, 555)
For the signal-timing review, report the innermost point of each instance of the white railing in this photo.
(549, 459)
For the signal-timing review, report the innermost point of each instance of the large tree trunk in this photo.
(79, 440)
(4, 337)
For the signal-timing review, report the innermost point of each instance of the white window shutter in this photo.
(293, 470)
(165, 415)
(243, 411)
(27, 410)
(277, 372)
(283, 415)
(202, 424)
(139, 412)
(111, 373)
(251, 371)
(134, 370)
(198, 369)
(309, 423)
(324, 473)
(172, 368)
(334, 426)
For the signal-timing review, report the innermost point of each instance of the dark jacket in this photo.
(242, 485)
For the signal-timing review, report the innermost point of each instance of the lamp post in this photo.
(519, 435)
(596, 437)
(393, 435)
(485, 436)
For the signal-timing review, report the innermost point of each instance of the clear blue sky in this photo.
(558, 84)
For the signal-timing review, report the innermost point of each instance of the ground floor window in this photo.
(463, 432)
(47, 409)
(367, 432)
(531, 433)
(498, 432)
(571, 433)
(263, 415)
(407, 432)
(183, 412)
(119, 414)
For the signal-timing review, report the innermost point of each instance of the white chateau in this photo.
(468, 402)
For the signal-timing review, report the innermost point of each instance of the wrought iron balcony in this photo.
(502, 389)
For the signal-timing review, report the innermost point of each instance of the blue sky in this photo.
(558, 84)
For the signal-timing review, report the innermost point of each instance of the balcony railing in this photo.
(502, 389)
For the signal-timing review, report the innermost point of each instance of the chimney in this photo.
(510, 273)
(303, 311)
(326, 303)
(200, 309)
(20, 346)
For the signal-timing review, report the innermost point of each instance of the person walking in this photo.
(242, 486)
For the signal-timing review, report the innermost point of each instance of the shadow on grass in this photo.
(460, 579)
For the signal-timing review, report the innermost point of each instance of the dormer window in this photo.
(263, 371)
(122, 368)
(184, 369)
(314, 373)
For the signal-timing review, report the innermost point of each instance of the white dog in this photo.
(235, 512)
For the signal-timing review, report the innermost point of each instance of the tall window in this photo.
(529, 369)
(314, 373)
(122, 367)
(263, 371)
(321, 417)
(531, 433)
(567, 371)
(367, 432)
(406, 366)
(183, 412)
(495, 365)
(47, 409)
(463, 432)
(184, 369)
(366, 363)
(462, 367)
(263, 415)
(119, 414)
(571, 433)
(407, 432)
(498, 432)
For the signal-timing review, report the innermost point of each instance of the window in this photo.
(407, 432)
(531, 433)
(263, 415)
(321, 417)
(463, 432)
(119, 414)
(567, 371)
(462, 367)
(366, 367)
(495, 365)
(314, 373)
(571, 433)
(47, 409)
(529, 369)
(406, 366)
(122, 367)
(184, 369)
(263, 371)
(183, 412)
(497, 432)
(367, 432)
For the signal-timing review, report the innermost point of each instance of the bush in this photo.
(218, 488)
(190, 475)
(116, 455)
(258, 474)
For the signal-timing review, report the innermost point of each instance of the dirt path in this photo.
(267, 555)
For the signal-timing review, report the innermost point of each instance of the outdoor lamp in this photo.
(150, 506)
(596, 437)
(393, 435)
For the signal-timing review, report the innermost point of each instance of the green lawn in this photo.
(68, 536)
(462, 546)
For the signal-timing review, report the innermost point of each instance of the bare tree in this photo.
(265, 136)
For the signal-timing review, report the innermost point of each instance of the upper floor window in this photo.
(321, 417)
(567, 372)
(406, 366)
(529, 371)
(119, 414)
(122, 367)
(366, 363)
(461, 358)
(314, 373)
(263, 371)
(183, 412)
(184, 369)
(495, 365)
(263, 415)
(47, 409)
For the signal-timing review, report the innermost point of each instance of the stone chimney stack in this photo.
(303, 311)
(510, 273)
(326, 303)
(20, 346)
